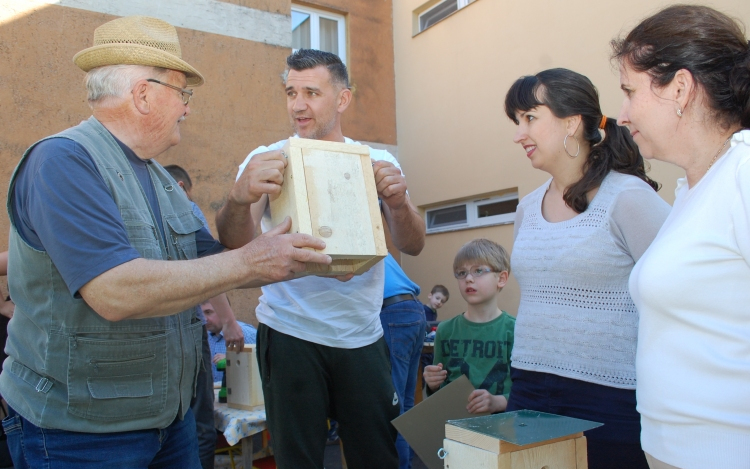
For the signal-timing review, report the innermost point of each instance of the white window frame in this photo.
(459, 5)
(315, 16)
(472, 220)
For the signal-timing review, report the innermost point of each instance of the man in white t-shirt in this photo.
(320, 341)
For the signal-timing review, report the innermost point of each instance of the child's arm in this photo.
(434, 375)
(480, 400)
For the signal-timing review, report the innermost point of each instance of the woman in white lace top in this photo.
(577, 238)
(686, 76)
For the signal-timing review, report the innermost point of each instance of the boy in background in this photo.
(436, 299)
(477, 343)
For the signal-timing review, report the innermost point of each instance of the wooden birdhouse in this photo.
(244, 389)
(516, 440)
(329, 193)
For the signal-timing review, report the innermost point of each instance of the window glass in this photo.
(437, 13)
(496, 208)
(317, 29)
(445, 217)
(300, 30)
(329, 35)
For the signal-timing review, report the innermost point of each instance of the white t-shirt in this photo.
(692, 288)
(319, 309)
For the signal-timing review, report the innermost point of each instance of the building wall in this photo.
(240, 46)
(454, 138)
(372, 115)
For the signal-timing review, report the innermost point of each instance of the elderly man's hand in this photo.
(264, 174)
(390, 183)
(277, 256)
(218, 357)
(233, 336)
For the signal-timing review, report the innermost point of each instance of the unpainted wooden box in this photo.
(244, 389)
(470, 450)
(329, 193)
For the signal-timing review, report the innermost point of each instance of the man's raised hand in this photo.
(263, 174)
(390, 184)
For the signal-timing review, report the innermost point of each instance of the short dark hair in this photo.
(305, 59)
(567, 93)
(483, 251)
(179, 174)
(709, 44)
(441, 289)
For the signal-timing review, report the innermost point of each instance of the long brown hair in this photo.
(567, 93)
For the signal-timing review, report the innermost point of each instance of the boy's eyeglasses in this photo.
(478, 272)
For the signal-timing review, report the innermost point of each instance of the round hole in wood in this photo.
(347, 175)
(325, 231)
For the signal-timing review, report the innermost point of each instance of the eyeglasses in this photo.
(186, 94)
(476, 272)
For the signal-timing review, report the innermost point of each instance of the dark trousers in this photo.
(305, 383)
(203, 408)
(616, 444)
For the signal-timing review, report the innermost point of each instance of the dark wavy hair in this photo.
(567, 93)
(709, 44)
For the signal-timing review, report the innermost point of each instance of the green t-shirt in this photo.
(481, 351)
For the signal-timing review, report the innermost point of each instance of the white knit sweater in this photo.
(576, 318)
(692, 288)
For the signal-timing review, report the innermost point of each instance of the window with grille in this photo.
(439, 11)
(498, 210)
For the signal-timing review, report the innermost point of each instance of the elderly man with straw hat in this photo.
(107, 267)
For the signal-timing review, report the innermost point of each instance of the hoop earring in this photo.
(565, 145)
(679, 112)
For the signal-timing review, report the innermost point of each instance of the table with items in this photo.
(239, 426)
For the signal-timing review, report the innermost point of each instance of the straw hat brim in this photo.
(135, 54)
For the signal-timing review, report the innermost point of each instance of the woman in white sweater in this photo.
(686, 76)
(578, 237)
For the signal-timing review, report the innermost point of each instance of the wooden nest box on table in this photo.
(244, 389)
(516, 440)
(329, 193)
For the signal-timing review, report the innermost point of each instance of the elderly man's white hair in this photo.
(116, 81)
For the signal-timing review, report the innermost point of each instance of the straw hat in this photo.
(137, 40)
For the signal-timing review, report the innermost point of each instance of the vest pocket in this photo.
(117, 379)
(122, 386)
(182, 229)
(144, 237)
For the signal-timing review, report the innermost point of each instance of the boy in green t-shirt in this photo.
(478, 342)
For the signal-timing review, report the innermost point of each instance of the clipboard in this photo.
(423, 426)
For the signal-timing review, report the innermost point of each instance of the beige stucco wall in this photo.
(241, 106)
(454, 138)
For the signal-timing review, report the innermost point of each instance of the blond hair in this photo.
(483, 251)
